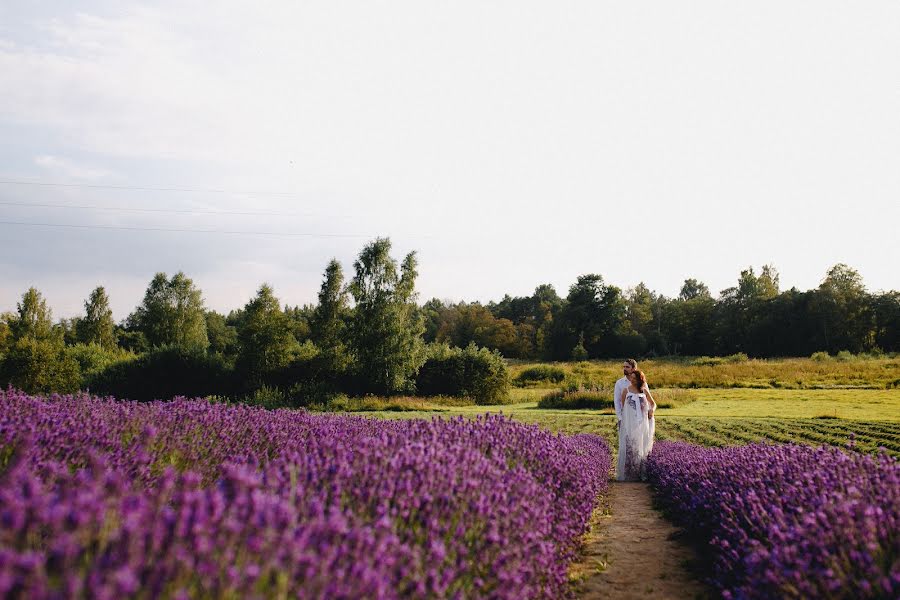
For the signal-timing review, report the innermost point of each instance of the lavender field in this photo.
(787, 521)
(108, 499)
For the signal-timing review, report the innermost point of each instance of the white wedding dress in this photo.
(635, 437)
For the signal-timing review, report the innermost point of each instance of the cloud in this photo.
(69, 168)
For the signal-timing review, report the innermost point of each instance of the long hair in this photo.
(641, 379)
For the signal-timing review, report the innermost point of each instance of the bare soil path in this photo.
(632, 551)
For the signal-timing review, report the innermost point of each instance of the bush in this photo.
(37, 366)
(164, 373)
(92, 358)
(577, 399)
(820, 356)
(541, 374)
(845, 356)
(475, 372)
(713, 361)
(598, 397)
(267, 397)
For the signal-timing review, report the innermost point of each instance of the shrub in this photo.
(713, 361)
(475, 372)
(93, 358)
(164, 373)
(39, 366)
(845, 356)
(541, 374)
(820, 356)
(578, 399)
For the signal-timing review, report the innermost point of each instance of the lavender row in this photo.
(787, 521)
(108, 499)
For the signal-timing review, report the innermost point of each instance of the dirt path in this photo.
(616, 544)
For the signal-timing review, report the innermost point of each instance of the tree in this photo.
(265, 338)
(842, 309)
(34, 320)
(328, 327)
(172, 313)
(6, 335)
(223, 338)
(386, 329)
(693, 289)
(36, 360)
(593, 308)
(97, 326)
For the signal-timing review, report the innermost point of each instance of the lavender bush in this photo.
(108, 499)
(787, 521)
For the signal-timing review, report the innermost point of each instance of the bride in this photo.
(636, 427)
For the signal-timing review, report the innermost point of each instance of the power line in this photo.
(144, 188)
(165, 210)
(168, 229)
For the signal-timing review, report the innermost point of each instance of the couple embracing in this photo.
(634, 414)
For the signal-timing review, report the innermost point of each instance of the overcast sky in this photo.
(509, 143)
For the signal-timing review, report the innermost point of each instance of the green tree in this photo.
(328, 325)
(172, 313)
(223, 338)
(266, 341)
(97, 326)
(34, 320)
(843, 311)
(36, 361)
(691, 288)
(6, 332)
(386, 328)
(594, 309)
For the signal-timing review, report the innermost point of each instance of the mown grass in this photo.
(729, 416)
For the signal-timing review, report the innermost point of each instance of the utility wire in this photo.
(165, 210)
(143, 188)
(221, 231)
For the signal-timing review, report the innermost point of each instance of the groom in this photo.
(629, 366)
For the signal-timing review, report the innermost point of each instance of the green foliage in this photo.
(93, 358)
(172, 314)
(34, 320)
(540, 374)
(164, 373)
(577, 400)
(845, 356)
(97, 326)
(591, 316)
(268, 397)
(39, 366)
(472, 372)
(223, 338)
(386, 327)
(579, 352)
(266, 341)
(712, 361)
(6, 335)
(820, 356)
(328, 326)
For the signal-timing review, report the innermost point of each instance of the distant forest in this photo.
(370, 334)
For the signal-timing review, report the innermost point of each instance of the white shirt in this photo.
(621, 384)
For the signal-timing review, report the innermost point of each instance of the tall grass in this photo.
(861, 372)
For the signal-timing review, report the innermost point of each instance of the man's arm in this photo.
(616, 402)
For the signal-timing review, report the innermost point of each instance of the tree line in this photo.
(369, 335)
(364, 336)
(754, 317)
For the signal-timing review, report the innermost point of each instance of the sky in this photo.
(508, 143)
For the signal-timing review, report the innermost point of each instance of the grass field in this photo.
(724, 417)
(787, 373)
